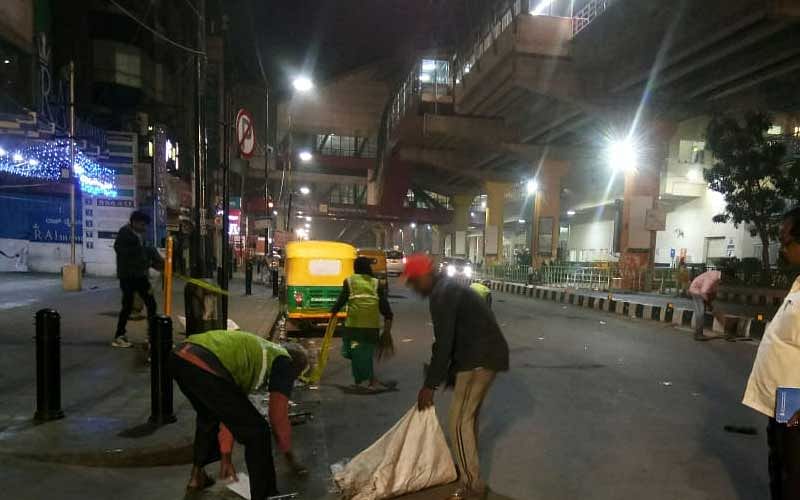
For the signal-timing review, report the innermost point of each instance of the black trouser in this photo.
(130, 286)
(784, 461)
(218, 400)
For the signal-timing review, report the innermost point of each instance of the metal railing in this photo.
(595, 277)
(512, 274)
(588, 13)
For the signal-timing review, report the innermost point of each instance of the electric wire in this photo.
(154, 31)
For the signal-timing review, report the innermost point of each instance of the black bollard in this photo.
(248, 277)
(273, 273)
(161, 411)
(48, 366)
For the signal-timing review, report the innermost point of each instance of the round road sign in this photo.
(245, 135)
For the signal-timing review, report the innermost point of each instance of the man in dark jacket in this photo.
(469, 345)
(134, 260)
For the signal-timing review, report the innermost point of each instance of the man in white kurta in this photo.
(777, 364)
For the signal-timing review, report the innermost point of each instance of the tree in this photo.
(752, 172)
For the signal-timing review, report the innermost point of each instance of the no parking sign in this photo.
(245, 135)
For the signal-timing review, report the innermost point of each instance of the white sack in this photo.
(411, 456)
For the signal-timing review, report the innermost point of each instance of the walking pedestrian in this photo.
(703, 291)
(777, 364)
(134, 259)
(216, 371)
(366, 302)
(469, 347)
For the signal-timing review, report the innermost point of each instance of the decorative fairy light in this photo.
(47, 160)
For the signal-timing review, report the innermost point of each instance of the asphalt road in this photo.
(594, 407)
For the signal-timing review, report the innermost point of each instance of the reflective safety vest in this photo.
(481, 290)
(247, 357)
(362, 305)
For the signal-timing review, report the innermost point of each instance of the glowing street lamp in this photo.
(623, 155)
(305, 156)
(532, 186)
(302, 84)
(304, 190)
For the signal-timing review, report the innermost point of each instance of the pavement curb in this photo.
(739, 326)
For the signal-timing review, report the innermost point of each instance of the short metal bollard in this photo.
(161, 411)
(48, 366)
(274, 279)
(248, 278)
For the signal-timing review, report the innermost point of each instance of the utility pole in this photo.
(72, 215)
(71, 273)
(267, 212)
(226, 203)
(199, 236)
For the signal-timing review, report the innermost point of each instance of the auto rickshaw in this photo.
(315, 271)
(378, 265)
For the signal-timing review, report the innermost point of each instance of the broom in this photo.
(385, 348)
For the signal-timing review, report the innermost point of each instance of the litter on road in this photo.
(666, 383)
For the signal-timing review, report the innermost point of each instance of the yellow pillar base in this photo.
(71, 277)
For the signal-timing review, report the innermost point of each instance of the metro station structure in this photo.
(570, 130)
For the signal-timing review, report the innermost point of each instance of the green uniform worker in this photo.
(366, 302)
(484, 291)
(215, 371)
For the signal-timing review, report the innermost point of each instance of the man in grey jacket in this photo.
(134, 261)
(468, 345)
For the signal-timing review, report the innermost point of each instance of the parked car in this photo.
(456, 267)
(395, 262)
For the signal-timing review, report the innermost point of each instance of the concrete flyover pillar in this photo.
(460, 225)
(641, 216)
(546, 220)
(493, 231)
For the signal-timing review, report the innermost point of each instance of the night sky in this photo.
(327, 37)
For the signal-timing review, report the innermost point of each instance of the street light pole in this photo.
(267, 213)
(72, 214)
(199, 234)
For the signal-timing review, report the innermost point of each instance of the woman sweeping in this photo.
(366, 302)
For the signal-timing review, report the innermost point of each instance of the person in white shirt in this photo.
(777, 364)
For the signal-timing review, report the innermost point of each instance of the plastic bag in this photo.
(411, 456)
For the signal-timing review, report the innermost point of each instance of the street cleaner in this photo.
(366, 302)
(469, 346)
(216, 371)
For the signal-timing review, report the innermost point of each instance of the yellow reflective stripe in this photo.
(202, 284)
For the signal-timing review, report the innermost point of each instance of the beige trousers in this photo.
(470, 391)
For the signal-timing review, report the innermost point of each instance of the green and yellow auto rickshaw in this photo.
(315, 271)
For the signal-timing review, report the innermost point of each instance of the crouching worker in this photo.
(216, 371)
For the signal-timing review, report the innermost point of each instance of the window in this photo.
(348, 194)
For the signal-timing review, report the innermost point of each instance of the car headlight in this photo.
(468, 272)
(451, 270)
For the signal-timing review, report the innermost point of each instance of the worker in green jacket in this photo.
(216, 371)
(366, 302)
(484, 291)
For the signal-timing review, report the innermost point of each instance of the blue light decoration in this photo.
(47, 160)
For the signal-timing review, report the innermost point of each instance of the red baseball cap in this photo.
(417, 265)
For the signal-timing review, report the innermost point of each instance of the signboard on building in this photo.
(656, 219)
